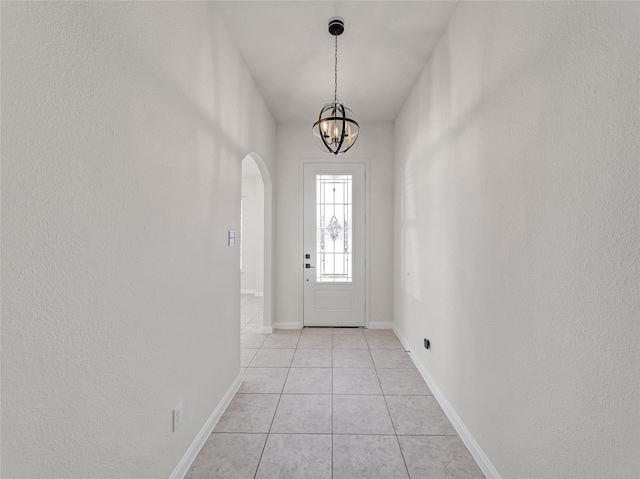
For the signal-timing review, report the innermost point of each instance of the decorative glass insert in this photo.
(334, 228)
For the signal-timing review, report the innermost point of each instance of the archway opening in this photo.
(256, 246)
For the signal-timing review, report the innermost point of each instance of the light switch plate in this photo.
(177, 416)
(232, 238)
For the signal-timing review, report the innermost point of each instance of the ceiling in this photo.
(290, 53)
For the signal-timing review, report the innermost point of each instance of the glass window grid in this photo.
(334, 228)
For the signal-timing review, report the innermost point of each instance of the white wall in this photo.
(252, 234)
(123, 129)
(517, 194)
(248, 236)
(295, 143)
(259, 237)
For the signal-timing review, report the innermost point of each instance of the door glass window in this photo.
(334, 228)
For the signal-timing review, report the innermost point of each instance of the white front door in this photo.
(334, 244)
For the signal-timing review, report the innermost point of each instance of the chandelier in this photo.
(336, 129)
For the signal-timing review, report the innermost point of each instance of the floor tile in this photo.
(293, 332)
(325, 331)
(312, 358)
(372, 332)
(272, 358)
(418, 416)
(313, 433)
(438, 457)
(303, 413)
(257, 323)
(342, 341)
(355, 381)
(367, 457)
(247, 317)
(254, 305)
(383, 341)
(348, 331)
(246, 355)
(352, 358)
(263, 380)
(252, 341)
(252, 328)
(296, 456)
(228, 455)
(391, 359)
(361, 415)
(249, 413)
(281, 341)
(404, 382)
(309, 381)
(315, 341)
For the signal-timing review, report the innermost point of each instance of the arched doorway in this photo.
(256, 235)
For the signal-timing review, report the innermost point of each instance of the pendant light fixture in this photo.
(336, 129)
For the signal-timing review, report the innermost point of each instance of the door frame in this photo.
(335, 161)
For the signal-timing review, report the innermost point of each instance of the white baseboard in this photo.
(287, 325)
(380, 325)
(185, 463)
(267, 330)
(473, 446)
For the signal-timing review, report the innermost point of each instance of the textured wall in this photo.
(516, 253)
(295, 143)
(123, 129)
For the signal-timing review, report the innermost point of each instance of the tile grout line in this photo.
(384, 396)
(336, 434)
(274, 414)
(332, 427)
(274, 417)
(333, 369)
(332, 433)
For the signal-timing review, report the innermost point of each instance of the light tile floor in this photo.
(330, 403)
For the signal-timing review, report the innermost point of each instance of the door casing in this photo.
(366, 230)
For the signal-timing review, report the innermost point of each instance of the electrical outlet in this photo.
(178, 416)
(427, 344)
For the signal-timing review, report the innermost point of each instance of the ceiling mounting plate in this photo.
(336, 26)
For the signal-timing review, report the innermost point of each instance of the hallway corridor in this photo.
(330, 403)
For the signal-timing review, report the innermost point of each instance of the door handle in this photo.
(307, 266)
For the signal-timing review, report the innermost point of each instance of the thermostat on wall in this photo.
(232, 238)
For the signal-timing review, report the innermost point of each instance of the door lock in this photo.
(307, 265)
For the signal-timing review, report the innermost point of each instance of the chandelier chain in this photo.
(335, 129)
(335, 92)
